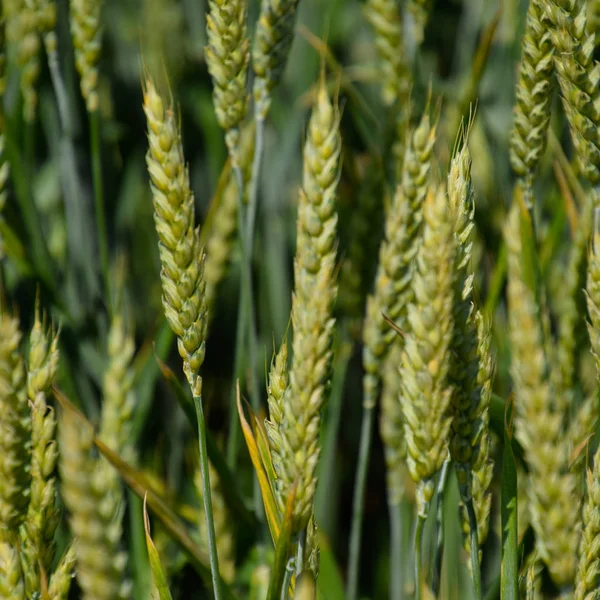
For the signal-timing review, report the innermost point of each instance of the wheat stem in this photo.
(396, 567)
(366, 433)
(439, 526)
(418, 547)
(474, 544)
(96, 153)
(207, 500)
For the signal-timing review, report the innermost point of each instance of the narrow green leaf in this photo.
(329, 583)
(282, 551)
(271, 510)
(158, 573)
(260, 434)
(509, 589)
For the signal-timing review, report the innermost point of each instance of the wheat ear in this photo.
(272, 43)
(86, 32)
(538, 423)
(11, 582)
(579, 77)
(94, 513)
(471, 368)
(297, 454)
(534, 95)
(41, 521)
(419, 10)
(15, 429)
(227, 57)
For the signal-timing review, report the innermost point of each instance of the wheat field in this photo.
(299, 299)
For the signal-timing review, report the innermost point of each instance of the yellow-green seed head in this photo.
(426, 393)
(60, 582)
(15, 428)
(227, 57)
(11, 582)
(534, 94)
(86, 32)
(315, 290)
(181, 257)
(272, 43)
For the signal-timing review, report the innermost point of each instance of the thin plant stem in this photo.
(300, 553)
(396, 571)
(287, 581)
(233, 440)
(207, 500)
(366, 433)
(439, 526)
(96, 154)
(61, 94)
(259, 141)
(418, 546)
(246, 316)
(324, 497)
(476, 571)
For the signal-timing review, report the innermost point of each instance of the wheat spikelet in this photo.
(11, 582)
(534, 95)
(578, 77)
(223, 525)
(312, 320)
(94, 513)
(593, 18)
(386, 19)
(587, 579)
(181, 257)
(593, 299)
(60, 582)
(272, 43)
(538, 423)
(15, 429)
(391, 425)
(28, 56)
(392, 291)
(277, 386)
(426, 394)
(86, 32)
(227, 57)
(581, 429)
(41, 521)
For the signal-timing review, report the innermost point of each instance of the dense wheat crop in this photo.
(299, 299)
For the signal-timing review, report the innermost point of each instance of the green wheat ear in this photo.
(296, 449)
(15, 429)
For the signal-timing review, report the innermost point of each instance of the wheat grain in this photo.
(533, 95)
(227, 57)
(312, 320)
(272, 42)
(578, 77)
(538, 422)
(426, 393)
(15, 429)
(277, 386)
(86, 32)
(181, 258)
